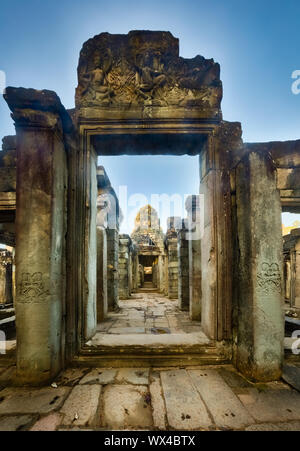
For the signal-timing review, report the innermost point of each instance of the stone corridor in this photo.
(148, 312)
(206, 398)
(150, 319)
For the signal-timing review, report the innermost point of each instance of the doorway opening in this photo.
(151, 278)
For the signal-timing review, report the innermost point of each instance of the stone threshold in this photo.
(152, 350)
(160, 340)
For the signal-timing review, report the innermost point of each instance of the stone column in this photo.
(101, 274)
(112, 268)
(194, 256)
(124, 271)
(6, 277)
(295, 263)
(260, 280)
(166, 271)
(141, 276)
(40, 232)
(160, 274)
(183, 269)
(173, 226)
(297, 282)
(2, 280)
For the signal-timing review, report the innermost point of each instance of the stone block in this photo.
(26, 401)
(127, 407)
(82, 406)
(185, 409)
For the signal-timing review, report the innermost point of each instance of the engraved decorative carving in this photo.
(269, 278)
(32, 287)
(143, 68)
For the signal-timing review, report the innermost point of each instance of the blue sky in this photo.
(257, 44)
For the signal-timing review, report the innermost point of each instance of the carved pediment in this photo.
(143, 69)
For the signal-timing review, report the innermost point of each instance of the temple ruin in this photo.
(221, 284)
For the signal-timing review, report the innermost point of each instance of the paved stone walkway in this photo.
(149, 313)
(195, 398)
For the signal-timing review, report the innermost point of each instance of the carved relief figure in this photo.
(94, 84)
(149, 76)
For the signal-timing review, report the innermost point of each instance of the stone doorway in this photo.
(148, 311)
(137, 96)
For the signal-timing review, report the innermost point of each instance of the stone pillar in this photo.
(110, 220)
(166, 271)
(112, 268)
(295, 264)
(260, 280)
(174, 224)
(90, 277)
(40, 233)
(124, 270)
(134, 269)
(6, 277)
(287, 274)
(160, 274)
(297, 281)
(130, 271)
(183, 269)
(141, 276)
(2, 280)
(101, 274)
(155, 280)
(193, 235)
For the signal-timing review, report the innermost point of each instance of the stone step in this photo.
(156, 354)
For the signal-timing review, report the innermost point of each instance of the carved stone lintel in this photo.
(143, 70)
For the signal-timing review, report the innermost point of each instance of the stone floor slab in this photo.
(71, 376)
(46, 424)
(185, 409)
(100, 376)
(82, 406)
(157, 402)
(26, 401)
(272, 405)
(135, 376)
(15, 423)
(126, 407)
(226, 409)
(291, 375)
(293, 426)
